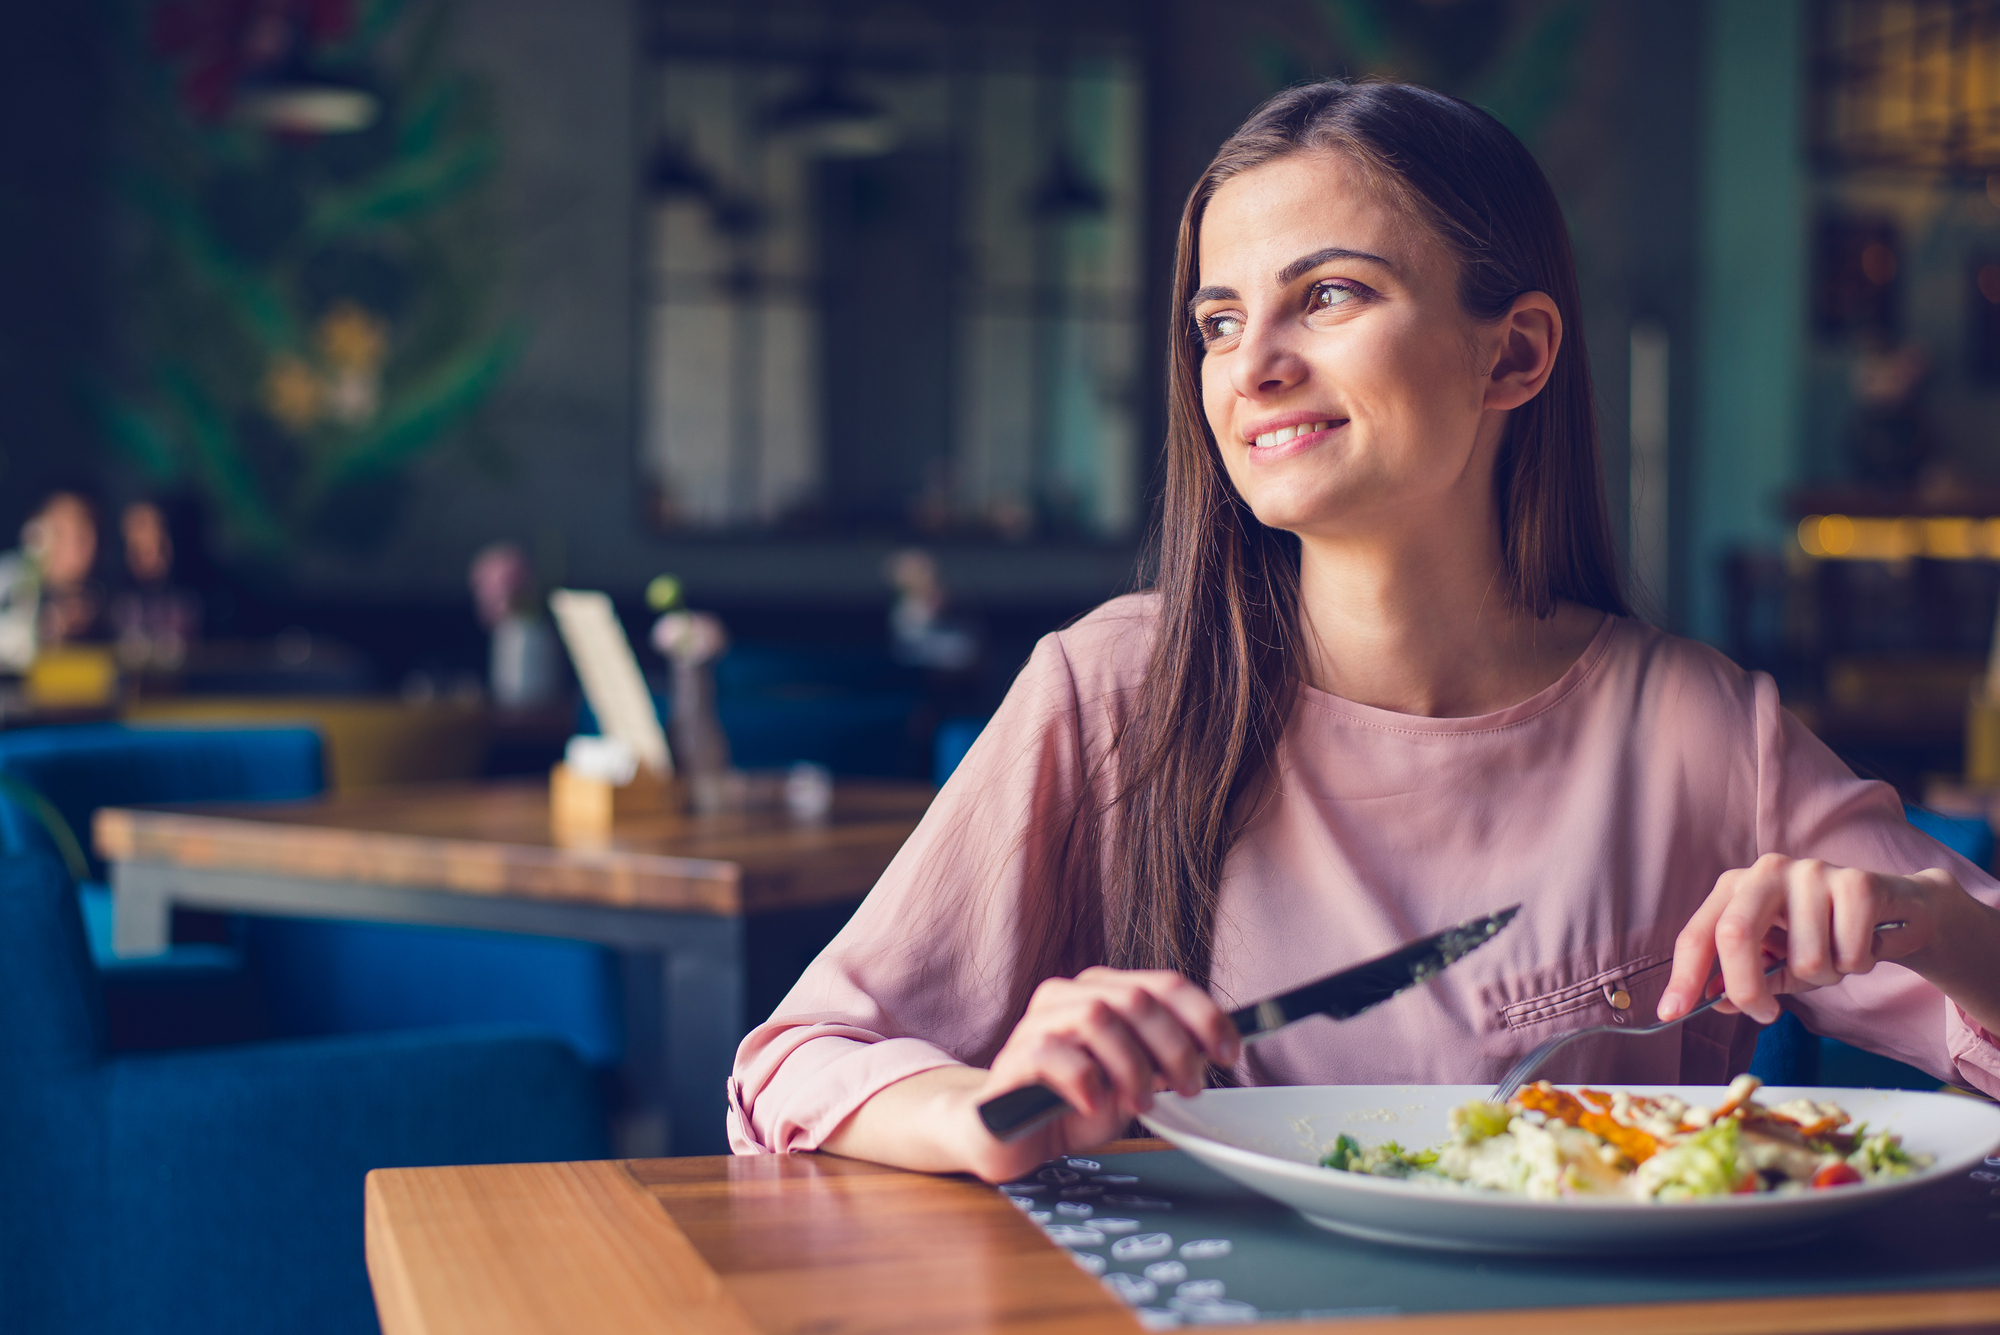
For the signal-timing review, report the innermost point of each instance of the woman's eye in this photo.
(1326, 296)
(1221, 326)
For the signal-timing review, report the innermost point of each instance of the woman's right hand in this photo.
(1107, 1041)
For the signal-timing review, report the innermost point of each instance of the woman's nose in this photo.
(1266, 363)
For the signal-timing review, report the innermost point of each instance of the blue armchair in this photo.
(198, 991)
(221, 1189)
(305, 978)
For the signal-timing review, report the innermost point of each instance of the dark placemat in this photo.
(1183, 1244)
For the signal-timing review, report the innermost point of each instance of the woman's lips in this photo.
(1288, 441)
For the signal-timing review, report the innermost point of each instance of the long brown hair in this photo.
(1219, 689)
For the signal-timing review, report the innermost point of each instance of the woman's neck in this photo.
(1429, 627)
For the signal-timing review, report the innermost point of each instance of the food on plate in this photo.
(1547, 1143)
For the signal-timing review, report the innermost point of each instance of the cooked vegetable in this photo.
(1343, 1154)
(1550, 1143)
(1707, 1163)
(1472, 1122)
(1883, 1155)
(1385, 1160)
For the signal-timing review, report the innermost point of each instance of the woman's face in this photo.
(1347, 389)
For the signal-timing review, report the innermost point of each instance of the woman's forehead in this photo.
(1259, 221)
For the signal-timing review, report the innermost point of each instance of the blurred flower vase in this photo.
(524, 668)
(312, 265)
(692, 641)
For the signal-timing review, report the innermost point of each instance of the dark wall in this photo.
(571, 91)
(1626, 162)
(1622, 149)
(50, 249)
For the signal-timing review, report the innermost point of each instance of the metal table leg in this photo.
(704, 1021)
(142, 908)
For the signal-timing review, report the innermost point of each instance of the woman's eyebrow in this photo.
(1211, 294)
(1305, 264)
(1291, 273)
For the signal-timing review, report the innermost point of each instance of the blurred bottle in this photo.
(20, 611)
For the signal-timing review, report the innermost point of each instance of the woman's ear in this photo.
(1530, 336)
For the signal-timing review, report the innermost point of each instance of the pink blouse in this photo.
(1606, 805)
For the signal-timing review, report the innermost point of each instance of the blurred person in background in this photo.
(153, 618)
(61, 540)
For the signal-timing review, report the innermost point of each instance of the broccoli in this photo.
(1388, 1159)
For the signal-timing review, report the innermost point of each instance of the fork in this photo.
(1531, 1063)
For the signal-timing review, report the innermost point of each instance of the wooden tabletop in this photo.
(795, 1243)
(495, 838)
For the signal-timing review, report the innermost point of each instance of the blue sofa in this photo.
(852, 710)
(221, 1189)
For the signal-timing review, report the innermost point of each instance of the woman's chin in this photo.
(1300, 515)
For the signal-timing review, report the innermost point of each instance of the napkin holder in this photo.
(582, 804)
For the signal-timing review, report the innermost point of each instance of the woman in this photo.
(1385, 682)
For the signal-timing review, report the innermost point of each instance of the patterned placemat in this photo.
(1186, 1246)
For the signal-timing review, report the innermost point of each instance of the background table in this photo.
(712, 914)
(795, 1242)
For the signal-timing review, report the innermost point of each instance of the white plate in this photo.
(1271, 1139)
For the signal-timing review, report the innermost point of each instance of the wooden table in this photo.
(795, 1243)
(692, 903)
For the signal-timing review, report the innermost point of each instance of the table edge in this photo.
(1814, 1314)
(1833, 1314)
(719, 886)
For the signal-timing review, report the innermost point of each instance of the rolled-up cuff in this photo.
(1974, 1052)
(822, 1082)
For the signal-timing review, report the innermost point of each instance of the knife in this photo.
(1342, 996)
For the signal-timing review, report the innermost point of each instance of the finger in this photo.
(1107, 1032)
(1067, 1067)
(1694, 951)
(1809, 927)
(1176, 1053)
(1213, 1031)
(1739, 937)
(1854, 908)
(1151, 1050)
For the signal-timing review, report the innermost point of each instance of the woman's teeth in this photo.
(1285, 433)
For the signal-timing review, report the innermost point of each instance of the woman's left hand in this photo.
(1819, 919)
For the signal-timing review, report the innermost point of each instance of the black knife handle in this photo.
(1263, 1018)
(1018, 1112)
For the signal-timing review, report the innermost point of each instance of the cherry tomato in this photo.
(1835, 1175)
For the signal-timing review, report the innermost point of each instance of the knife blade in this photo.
(1341, 995)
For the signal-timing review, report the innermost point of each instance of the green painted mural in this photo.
(310, 283)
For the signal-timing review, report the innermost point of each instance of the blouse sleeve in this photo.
(1812, 805)
(936, 965)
